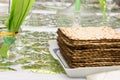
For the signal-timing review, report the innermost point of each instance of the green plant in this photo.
(18, 13)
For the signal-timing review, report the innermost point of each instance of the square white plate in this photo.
(77, 72)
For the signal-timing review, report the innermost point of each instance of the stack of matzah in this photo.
(89, 46)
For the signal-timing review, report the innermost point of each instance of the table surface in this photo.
(34, 76)
(20, 69)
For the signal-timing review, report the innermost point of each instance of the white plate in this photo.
(77, 72)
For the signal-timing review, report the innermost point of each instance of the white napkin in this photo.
(110, 75)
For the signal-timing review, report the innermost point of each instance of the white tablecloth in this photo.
(23, 75)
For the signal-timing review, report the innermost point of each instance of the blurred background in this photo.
(4, 11)
(59, 13)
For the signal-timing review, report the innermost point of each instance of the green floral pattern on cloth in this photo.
(31, 52)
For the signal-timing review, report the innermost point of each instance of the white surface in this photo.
(43, 12)
(39, 29)
(77, 72)
(23, 75)
(45, 28)
(112, 75)
(4, 8)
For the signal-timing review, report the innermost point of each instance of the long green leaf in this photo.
(25, 4)
(28, 7)
(16, 15)
(9, 20)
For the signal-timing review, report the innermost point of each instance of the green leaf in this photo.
(28, 6)
(10, 18)
(16, 15)
(19, 10)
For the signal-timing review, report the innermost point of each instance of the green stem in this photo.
(77, 6)
(103, 7)
(4, 48)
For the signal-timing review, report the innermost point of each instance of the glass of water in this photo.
(107, 14)
(110, 4)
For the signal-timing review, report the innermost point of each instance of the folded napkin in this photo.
(110, 75)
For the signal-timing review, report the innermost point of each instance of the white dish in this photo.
(77, 72)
